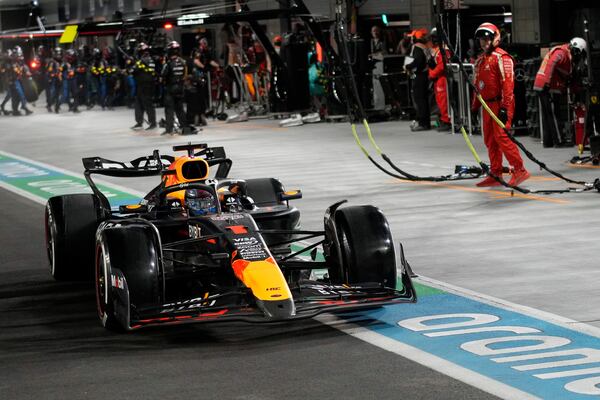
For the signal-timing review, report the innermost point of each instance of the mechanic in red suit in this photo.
(551, 81)
(437, 74)
(494, 79)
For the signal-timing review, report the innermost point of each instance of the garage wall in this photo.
(377, 7)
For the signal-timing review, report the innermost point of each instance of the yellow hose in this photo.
(368, 128)
(470, 145)
(358, 142)
(490, 112)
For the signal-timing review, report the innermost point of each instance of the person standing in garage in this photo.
(420, 80)
(552, 79)
(437, 74)
(494, 79)
(174, 74)
(144, 73)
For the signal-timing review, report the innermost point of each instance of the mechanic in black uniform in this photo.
(53, 83)
(144, 73)
(173, 75)
(418, 69)
(69, 83)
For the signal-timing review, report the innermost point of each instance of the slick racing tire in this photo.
(71, 223)
(104, 294)
(271, 211)
(366, 247)
(264, 191)
(128, 273)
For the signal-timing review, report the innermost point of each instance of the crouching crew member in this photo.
(551, 81)
(494, 79)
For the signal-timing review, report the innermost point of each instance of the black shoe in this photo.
(49, 108)
(444, 127)
(57, 109)
(137, 126)
(76, 110)
(420, 128)
(562, 145)
(17, 113)
(27, 111)
(152, 126)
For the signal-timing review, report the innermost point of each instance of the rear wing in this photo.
(152, 165)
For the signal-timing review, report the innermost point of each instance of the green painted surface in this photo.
(45, 182)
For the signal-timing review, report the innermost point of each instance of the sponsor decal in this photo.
(543, 358)
(250, 248)
(194, 231)
(227, 217)
(117, 281)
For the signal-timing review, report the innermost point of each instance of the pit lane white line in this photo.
(429, 360)
(439, 364)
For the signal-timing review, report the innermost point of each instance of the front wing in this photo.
(310, 298)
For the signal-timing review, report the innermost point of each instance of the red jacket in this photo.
(494, 77)
(438, 71)
(555, 70)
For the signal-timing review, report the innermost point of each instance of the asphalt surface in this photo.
(536, 251)
(53, 347)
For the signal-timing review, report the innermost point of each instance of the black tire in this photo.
(366, 247)
(272, 212)
(132, 253)
(71, 222)
(104, 293)
(264, 191)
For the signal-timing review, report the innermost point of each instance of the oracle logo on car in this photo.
(529, 350)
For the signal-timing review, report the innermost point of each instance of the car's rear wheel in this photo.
(70, 223)
(271, 211)
(129, 278)
(104, 295)
(366, 248)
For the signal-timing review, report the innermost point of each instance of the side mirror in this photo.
(290, 195)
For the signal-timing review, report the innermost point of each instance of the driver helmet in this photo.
(578, 46)
(489, 30)
(199, 202)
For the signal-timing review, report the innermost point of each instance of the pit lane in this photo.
(53, 345)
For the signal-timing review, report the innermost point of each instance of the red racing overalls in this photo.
(438, 76)
(494, 79)
(555, 70)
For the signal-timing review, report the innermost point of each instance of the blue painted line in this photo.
(39, 182)
(449, 347)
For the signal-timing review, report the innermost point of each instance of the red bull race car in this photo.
(201, 247)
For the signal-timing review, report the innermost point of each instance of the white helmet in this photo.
(577, 46)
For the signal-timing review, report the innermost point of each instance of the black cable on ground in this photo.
(360, 114)
(587, 185)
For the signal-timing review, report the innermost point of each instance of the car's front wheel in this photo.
(366, 248)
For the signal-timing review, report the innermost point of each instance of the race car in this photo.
(201, 247)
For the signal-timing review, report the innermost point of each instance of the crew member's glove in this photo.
(503, 115)
(431, 63)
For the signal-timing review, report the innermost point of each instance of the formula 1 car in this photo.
(200, 249)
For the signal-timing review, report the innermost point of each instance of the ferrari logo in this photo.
(594, 99)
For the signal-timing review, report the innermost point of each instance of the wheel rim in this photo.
(50, 240)
(101, 283)
(345, 247)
